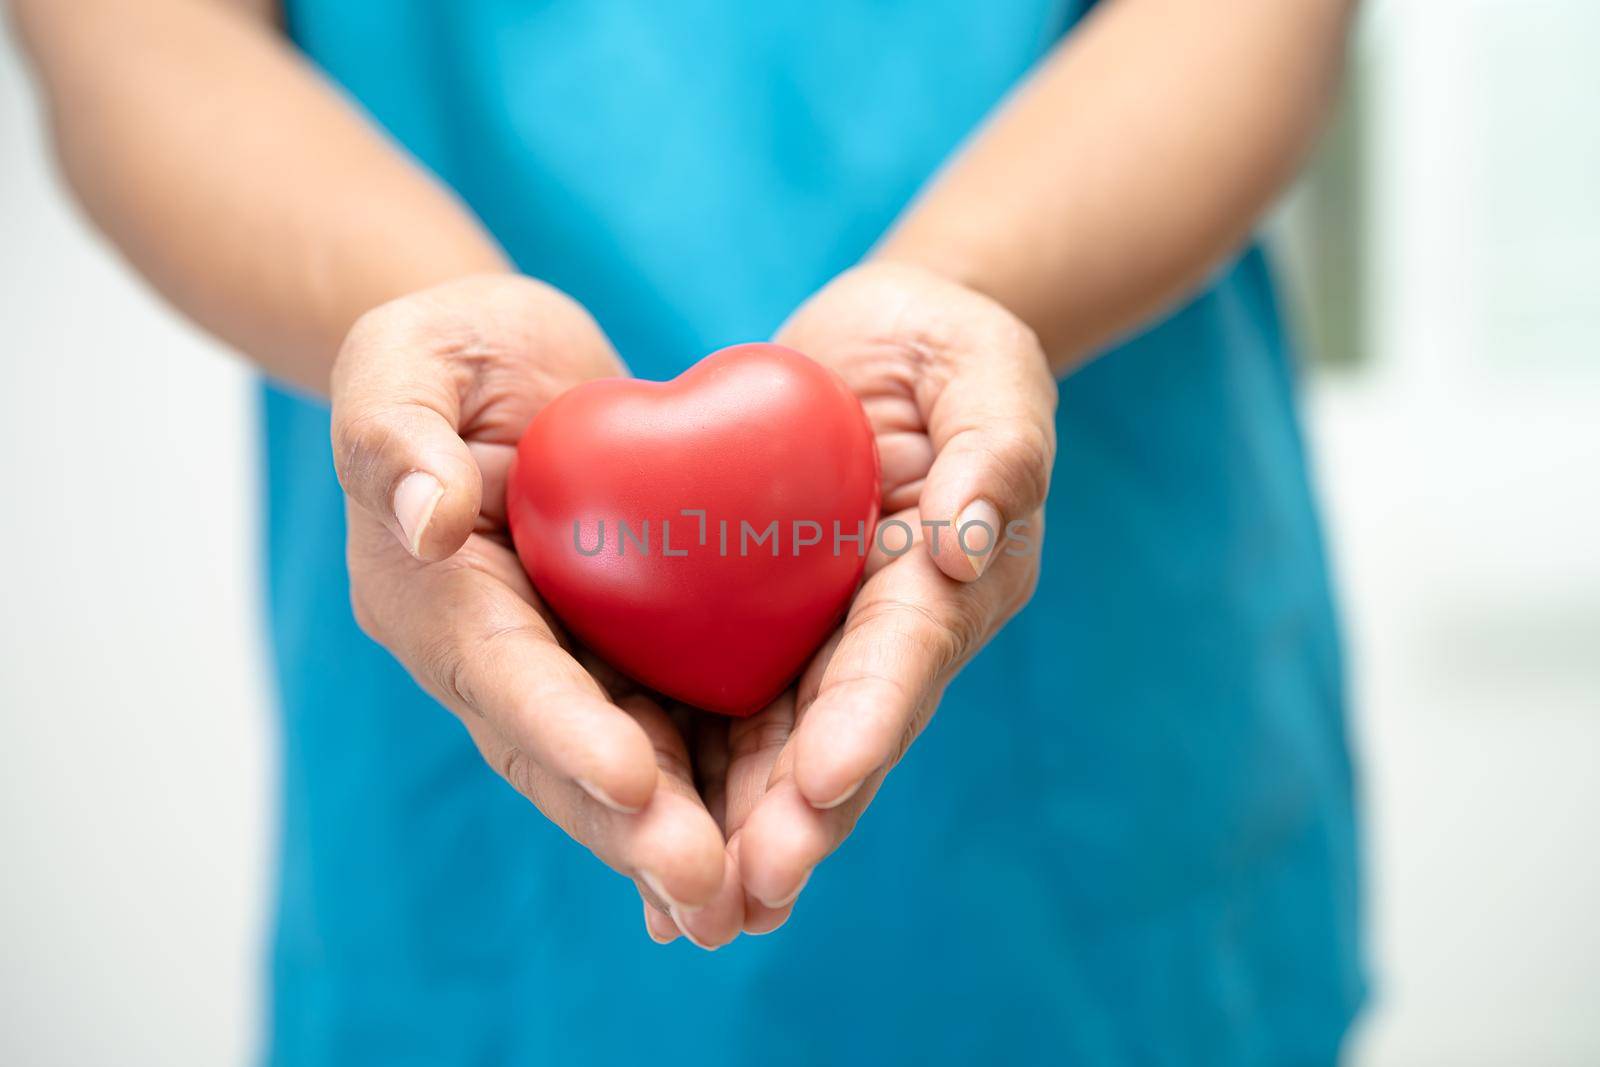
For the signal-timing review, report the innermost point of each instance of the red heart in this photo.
(752, 435)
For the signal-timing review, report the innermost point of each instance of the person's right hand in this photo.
(430, 395)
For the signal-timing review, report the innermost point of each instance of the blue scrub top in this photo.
(1128, 835)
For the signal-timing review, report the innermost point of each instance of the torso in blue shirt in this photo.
(1127, 836)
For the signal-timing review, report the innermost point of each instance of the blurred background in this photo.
(1442, 260)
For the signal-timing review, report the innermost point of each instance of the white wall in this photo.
(134, 729)
(1460, 477)
(1463, 479)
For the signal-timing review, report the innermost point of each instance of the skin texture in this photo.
(1130, 164)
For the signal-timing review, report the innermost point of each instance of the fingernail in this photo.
(791, 898)
(653, 919)
(841, 798)
(414, 500)
(683, 929)
(755, 931)
(673, 907)
(601, 795)
(982, 538)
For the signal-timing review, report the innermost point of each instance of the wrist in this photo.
(930, 244)
(921, 265)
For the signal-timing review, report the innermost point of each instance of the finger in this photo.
(784, 840)
(610, 680)
(478, 646)
(788, 835)
(396, 443)
(709, 737)
(791, 835)
(707, 921)
(758, 918)
(759, 755)
(905, 458)
(672, 846)
(993, 431)
(683, 869)
(719, 920)
(494, 463)
(658, 924)
(757, 748)
(907, 633)
(753, 749)
(701, 779)
(897, 535)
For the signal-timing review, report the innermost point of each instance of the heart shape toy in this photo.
(703, 535)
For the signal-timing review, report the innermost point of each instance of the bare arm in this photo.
(248, 191)
(1134, 160)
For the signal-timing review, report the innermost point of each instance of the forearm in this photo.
(1131, 163)
(236, 180)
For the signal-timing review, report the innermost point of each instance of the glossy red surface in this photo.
(752, 435)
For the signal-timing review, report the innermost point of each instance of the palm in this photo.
(801, 772)
(444, 383)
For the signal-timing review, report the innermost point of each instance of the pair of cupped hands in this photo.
(718, 821)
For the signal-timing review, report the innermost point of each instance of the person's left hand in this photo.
(962, 403)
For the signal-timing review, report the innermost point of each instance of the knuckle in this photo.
(515, 768)
(449, 666)
(524, 775)
(913, 728)
(934, 637)
(360, 440)
(465, 669)
(967, 622)
(1024, 454)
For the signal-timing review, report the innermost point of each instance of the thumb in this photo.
(396, 446)
(993, 433)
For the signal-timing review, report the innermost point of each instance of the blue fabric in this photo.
(1128, 835)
